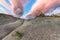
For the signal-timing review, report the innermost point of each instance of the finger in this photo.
(36, 9)
(5, 4)
(17, 7)
(50, 4)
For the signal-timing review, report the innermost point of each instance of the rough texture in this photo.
(41, 28)
(8, 24)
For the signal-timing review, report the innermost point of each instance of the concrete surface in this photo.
(8, 24)
(41, 28)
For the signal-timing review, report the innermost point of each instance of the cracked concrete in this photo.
(8, 24)
(41, 28)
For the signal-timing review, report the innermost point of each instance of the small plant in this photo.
(3, 15)
(42, 15)
(18, 34)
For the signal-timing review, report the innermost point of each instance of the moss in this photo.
(2, 15)
(41, 15)
(19, 34)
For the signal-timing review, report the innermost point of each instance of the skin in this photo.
(16, 6)
(41, 6)
(6, 5)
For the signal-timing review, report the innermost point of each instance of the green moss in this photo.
(19, 34)
(42, 15)
(2, 15)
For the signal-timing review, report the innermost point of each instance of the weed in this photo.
(19, 34)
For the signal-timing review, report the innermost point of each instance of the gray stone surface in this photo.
(8, 24)
(44, 28)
